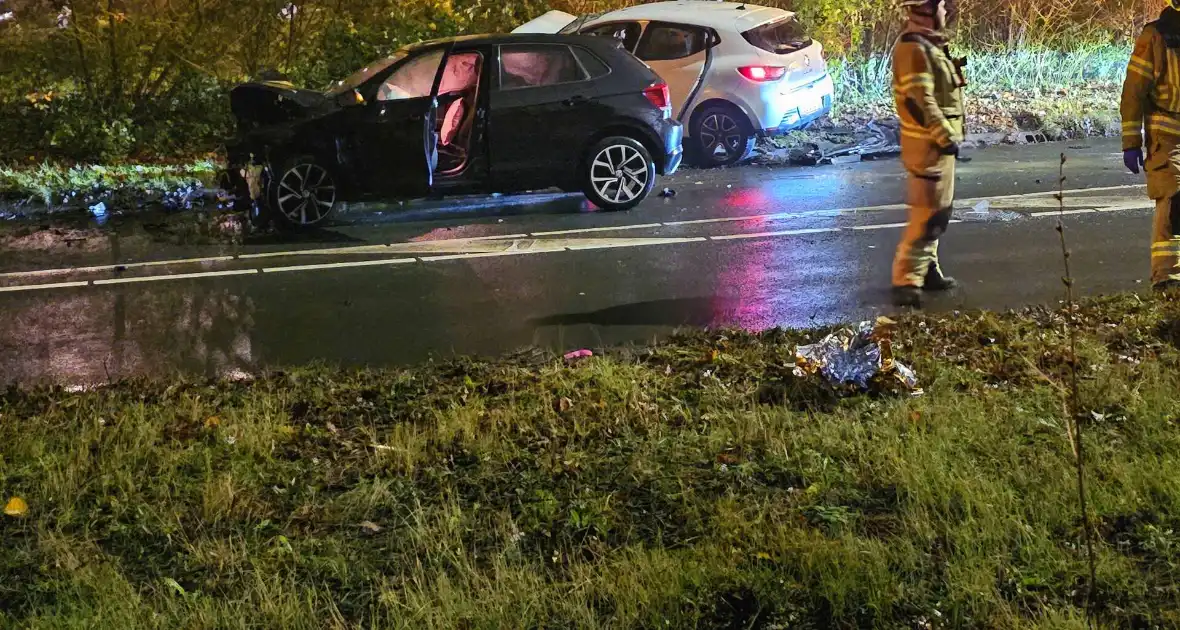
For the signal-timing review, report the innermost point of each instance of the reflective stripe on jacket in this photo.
(1151, 91)
(927, 91)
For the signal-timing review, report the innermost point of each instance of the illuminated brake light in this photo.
(659, 96)
(762, 74)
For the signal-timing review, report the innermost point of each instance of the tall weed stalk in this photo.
(1074, 420)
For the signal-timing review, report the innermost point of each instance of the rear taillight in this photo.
(660, 97)
(763, 74)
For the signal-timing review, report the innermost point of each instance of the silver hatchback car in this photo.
(735, 71)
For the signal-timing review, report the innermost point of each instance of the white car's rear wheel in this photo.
(721, 136)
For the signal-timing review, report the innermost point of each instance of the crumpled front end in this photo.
(263, 104)
(266, 113)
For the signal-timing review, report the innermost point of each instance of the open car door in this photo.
(680, 54)
(393, 133)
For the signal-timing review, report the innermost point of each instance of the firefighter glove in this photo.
(950, 149)
(1133, 160)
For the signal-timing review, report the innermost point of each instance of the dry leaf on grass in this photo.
(16, 506)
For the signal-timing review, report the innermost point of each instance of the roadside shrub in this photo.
(102, 81)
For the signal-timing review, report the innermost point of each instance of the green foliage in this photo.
(54, 185)
(122, 79)
(867, 81)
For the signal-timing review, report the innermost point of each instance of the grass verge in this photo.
(698, 483)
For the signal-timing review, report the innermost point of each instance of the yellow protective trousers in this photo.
(1163, 184)
(930, 197)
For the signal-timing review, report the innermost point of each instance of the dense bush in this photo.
(117, 79)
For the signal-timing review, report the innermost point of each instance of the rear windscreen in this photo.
(781, 36)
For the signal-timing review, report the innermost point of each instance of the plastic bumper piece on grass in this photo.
(859, 358)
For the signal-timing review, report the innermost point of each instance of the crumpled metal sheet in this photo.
(854, 357)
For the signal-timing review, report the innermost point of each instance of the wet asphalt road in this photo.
(751, 247)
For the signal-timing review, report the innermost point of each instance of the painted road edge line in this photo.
(116, 266)
(639, 242)
(1049, 213)
(731, 237)
(605, 228)
(376, 247)
(515, 252)
(177, 276)
(38, 287)
(340, 265)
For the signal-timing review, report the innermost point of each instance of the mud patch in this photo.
(81, 240)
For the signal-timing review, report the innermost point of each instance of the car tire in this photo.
(301, 193)
(618, 173)
(721, 136)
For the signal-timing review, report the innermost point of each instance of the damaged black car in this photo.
(469, 115)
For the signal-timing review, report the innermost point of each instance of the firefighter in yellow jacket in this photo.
(928, 91)
(1151, 118)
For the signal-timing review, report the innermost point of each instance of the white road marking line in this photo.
(514, 252)
(362, 249)
(340, 265)
(641, 226)
(1061, 212)
(879, 227)
(177, 276)
(716, 220)
(637, 243)
(961, 203)
(492, 237)
(385, 248)
(1050, 193)
(116, 266)
(884, 226)
(731, 237)
(35, 287)
(377, 248)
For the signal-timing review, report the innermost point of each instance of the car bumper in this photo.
(673, 139)
(799, 107)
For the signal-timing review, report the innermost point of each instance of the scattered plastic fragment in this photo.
(578, 354)
(668, 193)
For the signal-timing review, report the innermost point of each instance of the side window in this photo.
(536, 65)
(626, 32)
(665, 42)
(413, 79)
(590, 61)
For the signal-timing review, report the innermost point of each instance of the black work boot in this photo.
(907, 296)
(1167, 287)
(935, 281)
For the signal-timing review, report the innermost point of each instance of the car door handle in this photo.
(574, 100)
